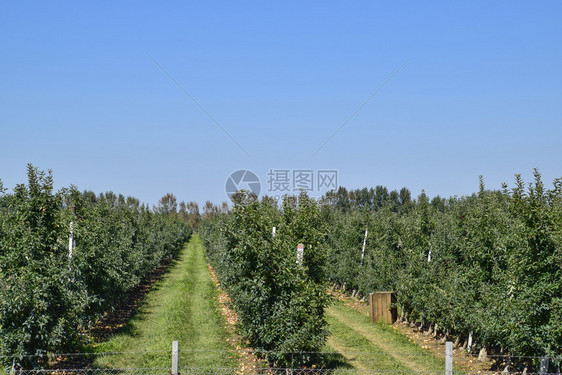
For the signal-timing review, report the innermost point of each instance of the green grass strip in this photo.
(358, 350)
(354, 335)
(181, 306)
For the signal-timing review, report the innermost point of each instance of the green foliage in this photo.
(49, 298)
(280, 304)
(495, 267)
(489, 263)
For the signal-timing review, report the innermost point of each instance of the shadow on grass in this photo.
(327, 359)
(334, 361)
(117, 320)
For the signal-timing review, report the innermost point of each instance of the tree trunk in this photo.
(506, 368)
(483, 355)
(420, 328)
(469, 342)
(446, 336)
(457, 341)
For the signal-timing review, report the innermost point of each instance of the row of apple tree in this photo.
(486, 266)
(279, 294)
(66, 258)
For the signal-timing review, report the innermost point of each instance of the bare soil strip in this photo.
(248, 362)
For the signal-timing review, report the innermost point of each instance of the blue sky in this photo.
(80, 93)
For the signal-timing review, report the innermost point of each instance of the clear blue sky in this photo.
(80, 93)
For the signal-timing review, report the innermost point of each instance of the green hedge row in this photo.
(280, 304)
(49, 299)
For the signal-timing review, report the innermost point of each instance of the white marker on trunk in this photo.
(71, 240)
(300, 253)
(364, 243)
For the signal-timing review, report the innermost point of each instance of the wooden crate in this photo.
(380, 307)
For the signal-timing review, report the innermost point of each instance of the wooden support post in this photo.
(544, 366)
(372, 307)
(175, 357)
(381, 307)
(448, 358)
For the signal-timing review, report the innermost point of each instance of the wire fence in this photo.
(260, 371)
(188, 362)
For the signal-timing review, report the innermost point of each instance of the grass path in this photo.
(181, 306)
(365, 345)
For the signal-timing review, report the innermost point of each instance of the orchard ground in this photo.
(184, 305)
